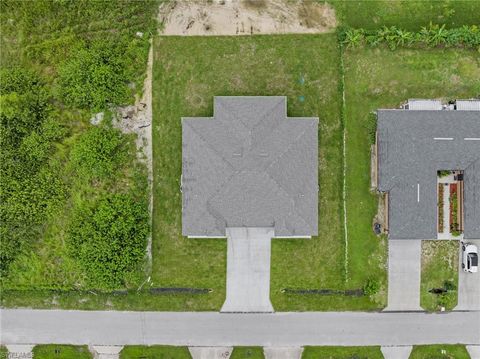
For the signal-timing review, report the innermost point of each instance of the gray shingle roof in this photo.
(409, 157)
(250, 166)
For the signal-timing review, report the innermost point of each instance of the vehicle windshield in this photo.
(474, 259)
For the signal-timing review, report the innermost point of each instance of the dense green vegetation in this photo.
(342, 353)
(73, 201)
(30, 190)
(96, 76)
(108, 238)
(429, 37)
(61, 352)
(439, 352)
(154, 352)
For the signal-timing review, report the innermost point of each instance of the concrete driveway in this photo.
(468, 285)
(248, 270)
(404, 265)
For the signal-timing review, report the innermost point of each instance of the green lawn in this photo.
(407, 14)
(439, 352)
(439, 265)
(61, 352)
(342, 353)
(154, 352)
(3, 352)
(247, 353)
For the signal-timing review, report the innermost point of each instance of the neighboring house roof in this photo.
(412, 147)
(421, 104)
(250, 166)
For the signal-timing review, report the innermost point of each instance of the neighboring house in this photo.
(414, 148)
(250, 166)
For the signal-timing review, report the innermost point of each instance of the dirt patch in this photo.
(381, 213)
(245, 17)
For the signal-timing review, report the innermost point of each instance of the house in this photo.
(249, 166)
(414, 147)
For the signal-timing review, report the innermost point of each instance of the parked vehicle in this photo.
(469, 257)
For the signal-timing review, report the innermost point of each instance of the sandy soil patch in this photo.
(245, 17)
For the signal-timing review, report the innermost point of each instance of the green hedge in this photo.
(431, 36)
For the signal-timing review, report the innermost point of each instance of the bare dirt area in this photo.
(245, 17)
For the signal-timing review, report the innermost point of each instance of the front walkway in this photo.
(248, 270)
(404, 266)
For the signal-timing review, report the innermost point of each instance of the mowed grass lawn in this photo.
(154, 352)
(342, 353)
(439, 352)
(407, 14)
(439, 270)
(188, 73)
(381, 78)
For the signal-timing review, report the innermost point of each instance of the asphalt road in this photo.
(21, 326)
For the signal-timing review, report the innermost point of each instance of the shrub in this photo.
(428, 36)
(98, 152)
(23, 105)
(95, 76)
(108, 238)
(449, 286)
(371, 287)
(371, 127)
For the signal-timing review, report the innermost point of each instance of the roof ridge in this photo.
(294, 206)
(294, 142)
(211, 147)
(289, 147)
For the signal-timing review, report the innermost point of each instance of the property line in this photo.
(344, 159)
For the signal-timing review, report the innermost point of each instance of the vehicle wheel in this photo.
(463, 266)
(463, 248)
